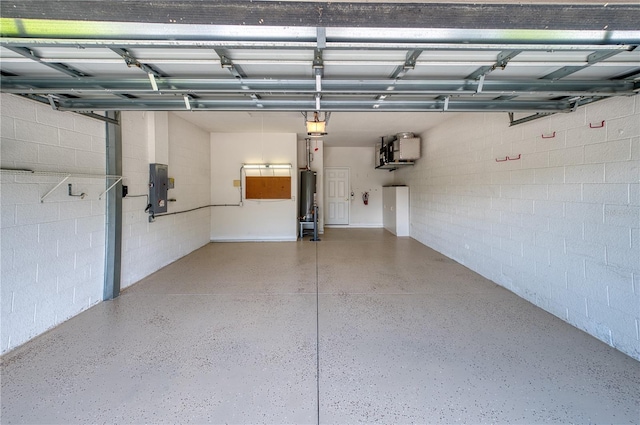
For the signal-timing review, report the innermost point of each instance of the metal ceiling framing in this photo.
(84, 61)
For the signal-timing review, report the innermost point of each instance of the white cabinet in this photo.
(395, 214)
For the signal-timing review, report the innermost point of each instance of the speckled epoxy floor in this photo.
(237, 333)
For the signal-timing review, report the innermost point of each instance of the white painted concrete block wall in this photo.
(559, 227)
(255, 220)
(52, 252)
(364, 178)
(147, 247)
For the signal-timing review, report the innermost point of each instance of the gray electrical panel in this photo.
(158, 186)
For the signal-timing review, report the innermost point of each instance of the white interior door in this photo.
(337, 197)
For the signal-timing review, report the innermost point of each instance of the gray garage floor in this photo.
(360, 327)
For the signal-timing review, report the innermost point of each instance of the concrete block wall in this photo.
(147, 247)
(52, 252)
(560, 226)
(255, 219)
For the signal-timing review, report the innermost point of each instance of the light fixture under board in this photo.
(266, 166)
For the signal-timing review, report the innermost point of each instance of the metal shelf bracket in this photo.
(64, 177)
(43, 197)
(118, 180)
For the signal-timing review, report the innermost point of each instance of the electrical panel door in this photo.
(158, 187)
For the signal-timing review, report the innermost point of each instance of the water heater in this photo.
(307, 192)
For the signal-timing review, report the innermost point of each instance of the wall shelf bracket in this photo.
(118, 180)
(63, 178)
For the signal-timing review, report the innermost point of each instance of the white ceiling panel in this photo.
(551, 56)
(440, 70)
(6, 53)
(277, 71)
(602, 73)
(467, 55)
(633, 56)
(356, 72)
(197, 69)
(365, 55)
(48, 52)
(30, 68)
(182, 54)
(120, 70)
(522, 72)
(270, 54)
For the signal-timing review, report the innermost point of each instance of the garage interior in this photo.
(157, 264)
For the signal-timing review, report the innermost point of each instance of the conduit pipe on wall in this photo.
(308, 157)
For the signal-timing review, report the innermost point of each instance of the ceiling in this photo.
(377, 68)
(345, 129)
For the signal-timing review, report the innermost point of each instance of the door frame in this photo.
(326, 194)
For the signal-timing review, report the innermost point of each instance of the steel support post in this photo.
(113, 226)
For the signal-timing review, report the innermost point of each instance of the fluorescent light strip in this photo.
(266, 166)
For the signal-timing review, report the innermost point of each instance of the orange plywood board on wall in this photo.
(268, 187)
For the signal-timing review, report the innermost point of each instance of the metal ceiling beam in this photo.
(131, 61)
(633, 74)
(460, 105)
(501, 62)
(593, 58)
(318, 64)
(503, 59)
(61, 67)
(411, 41)
(237, 72)
(58, 66)
(565, 71)
(138, 86)
(513, 121)
(409, 64)
(400, 72)
(500, 44)
(287, 62)
(226, 62)
(89, 114)
(321, 44)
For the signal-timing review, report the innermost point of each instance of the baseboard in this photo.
(355, 226)
(255, 240)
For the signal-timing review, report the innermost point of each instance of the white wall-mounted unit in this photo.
(395, 214)
(406, 147)
(396, 151)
